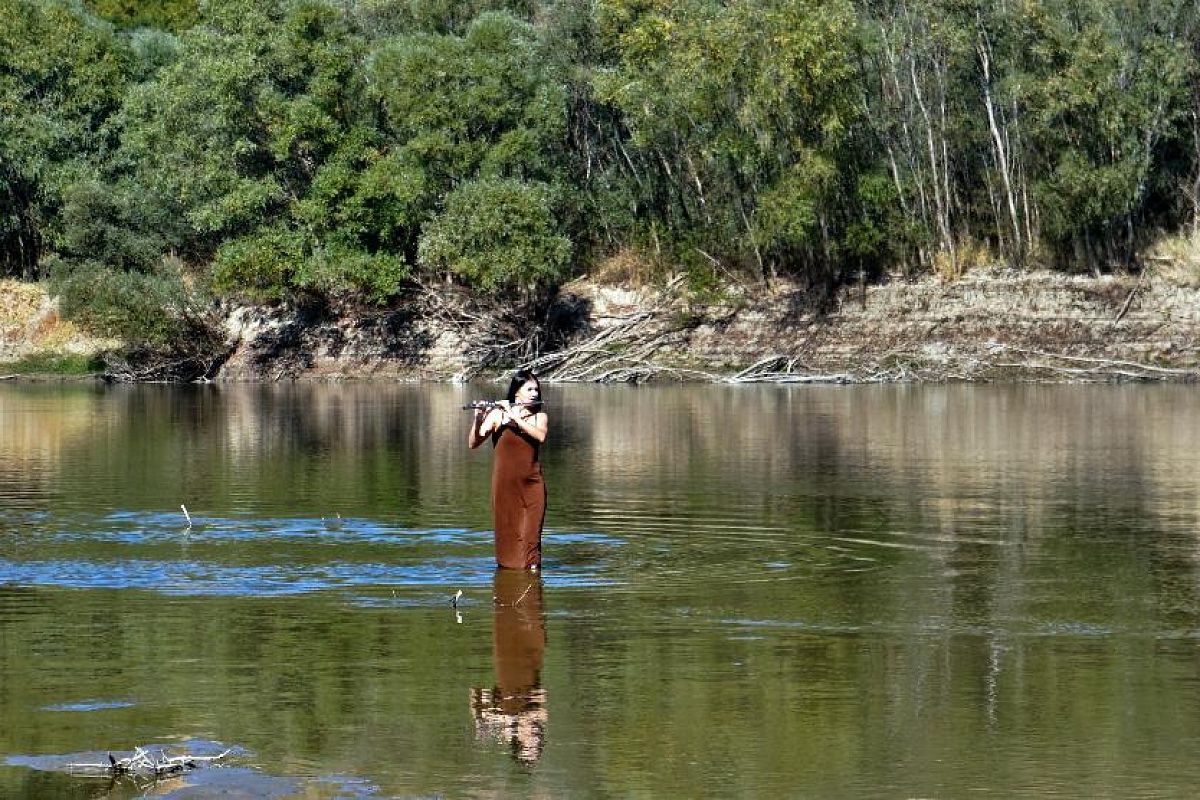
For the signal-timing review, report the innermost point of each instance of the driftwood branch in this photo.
(146, 763)
(624, 350)
(902, 365)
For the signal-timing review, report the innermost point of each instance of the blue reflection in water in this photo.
(202, 578)
(227, 557)
(91, 705)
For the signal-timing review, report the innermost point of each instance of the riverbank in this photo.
(982, 327)
(995, 326)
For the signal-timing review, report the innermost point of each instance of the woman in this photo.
(517, 427)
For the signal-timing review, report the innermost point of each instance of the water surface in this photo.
(748, 592)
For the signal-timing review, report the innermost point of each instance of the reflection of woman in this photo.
(515, 710)
(517, 428)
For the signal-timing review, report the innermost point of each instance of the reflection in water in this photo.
(514, 711)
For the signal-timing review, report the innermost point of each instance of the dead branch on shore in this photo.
(1100, 368)
(488, 330)
(623, 352)
(1137, 288)
(901, 366)
(633, 338)
(147, 763)
(451, 309)
(1111, 362)
(180, 361)
(782, 369)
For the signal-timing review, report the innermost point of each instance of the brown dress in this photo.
(518, 499)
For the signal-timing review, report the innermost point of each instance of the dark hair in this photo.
(519, 379)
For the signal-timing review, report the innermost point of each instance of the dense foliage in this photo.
(274, 147)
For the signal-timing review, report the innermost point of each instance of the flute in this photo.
(488, 405)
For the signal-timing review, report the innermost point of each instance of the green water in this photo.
(748, 592)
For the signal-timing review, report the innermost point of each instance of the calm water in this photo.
(749, 592)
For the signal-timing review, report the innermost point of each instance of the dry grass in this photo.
(19, 302)
(969, 255)
(1175, 259)
(628, 267)
(29, 322)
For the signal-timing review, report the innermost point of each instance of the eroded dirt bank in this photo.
(1041, 325)
(1007, 325)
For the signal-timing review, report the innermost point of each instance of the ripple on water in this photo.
(90, 705)
(206, 578)
(264, 556)
(270, 556)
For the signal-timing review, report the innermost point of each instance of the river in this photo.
(757, 591)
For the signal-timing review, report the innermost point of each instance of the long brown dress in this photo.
(518, 499)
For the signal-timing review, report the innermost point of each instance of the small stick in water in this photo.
(186, 514)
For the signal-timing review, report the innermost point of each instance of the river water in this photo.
(748, 592)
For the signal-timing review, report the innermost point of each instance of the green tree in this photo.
(383, 18)
(62, 75)
(253, 137)
(476, 127)
(171, 15)
(237, 126)
(736, 113)
(481, 104)
(1104, 90)
(1048, 130)
(499, 235)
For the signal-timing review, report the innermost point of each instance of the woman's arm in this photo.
(482, 425)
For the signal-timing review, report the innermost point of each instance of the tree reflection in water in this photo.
(514, 710)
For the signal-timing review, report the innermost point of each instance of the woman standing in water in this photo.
(517, 428)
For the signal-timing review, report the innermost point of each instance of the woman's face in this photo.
(528, 393)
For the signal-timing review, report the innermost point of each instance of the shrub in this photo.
(155, 309)
(498, 234)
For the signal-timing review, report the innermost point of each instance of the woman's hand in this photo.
(531, 424)
(509, 413)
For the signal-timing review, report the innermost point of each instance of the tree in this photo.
(62, 75)
(1104, 91)
(170, 15)
(736, 112)
(498, 234)
(475, 125)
